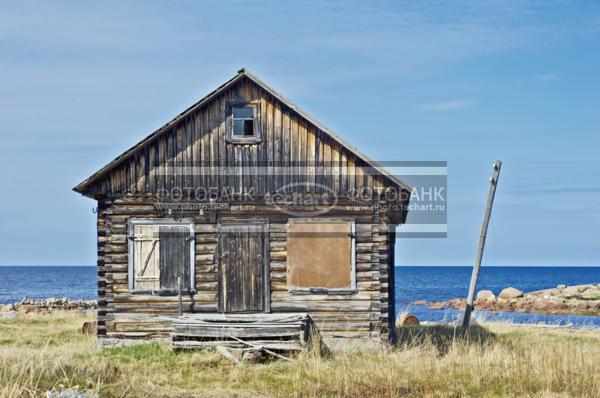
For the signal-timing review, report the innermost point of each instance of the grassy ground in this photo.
(41, 353)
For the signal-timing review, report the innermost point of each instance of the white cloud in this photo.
(449, 105)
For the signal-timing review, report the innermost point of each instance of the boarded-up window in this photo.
(160, 252)
(320, 254)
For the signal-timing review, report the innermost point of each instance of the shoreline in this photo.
(582, 300)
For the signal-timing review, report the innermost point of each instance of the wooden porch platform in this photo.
(279, 332)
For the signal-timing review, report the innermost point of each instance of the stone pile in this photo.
(47, 305)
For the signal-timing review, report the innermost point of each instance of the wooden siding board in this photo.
(335, 166)
(274, 117)
(300, 162)
(221, 136)
(289, 144)
(311, 158)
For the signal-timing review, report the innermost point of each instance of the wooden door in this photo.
(242, 268)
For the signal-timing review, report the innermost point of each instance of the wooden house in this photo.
(248, 205)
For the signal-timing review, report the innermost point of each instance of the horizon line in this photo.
(395, 266)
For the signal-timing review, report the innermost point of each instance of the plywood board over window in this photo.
(160, 252)
(320, 255)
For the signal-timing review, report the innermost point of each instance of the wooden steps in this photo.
(275, 345)
(277, 332)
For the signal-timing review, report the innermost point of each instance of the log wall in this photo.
(366, 313)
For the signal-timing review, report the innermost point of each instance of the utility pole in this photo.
(479, 255)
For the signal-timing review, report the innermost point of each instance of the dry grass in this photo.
(48, 352)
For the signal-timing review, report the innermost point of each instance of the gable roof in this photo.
(82, 186)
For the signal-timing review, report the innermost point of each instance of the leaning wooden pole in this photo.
(484, 229)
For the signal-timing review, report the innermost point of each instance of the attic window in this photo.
(243, 128)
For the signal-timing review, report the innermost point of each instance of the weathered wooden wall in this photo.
(365, 313)
(199, 140)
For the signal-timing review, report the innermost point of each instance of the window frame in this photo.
(131, 224)
(352, 289)
(256, 138)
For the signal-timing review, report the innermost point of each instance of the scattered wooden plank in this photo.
(258, 347)
(227, 354)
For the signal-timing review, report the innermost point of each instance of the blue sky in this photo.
(464, 82)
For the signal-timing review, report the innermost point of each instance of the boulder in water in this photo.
(420, 302)
(485, 295)
(510, 293)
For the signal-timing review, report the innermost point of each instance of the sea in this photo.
(412, 283)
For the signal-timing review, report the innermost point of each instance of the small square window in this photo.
(243, 121)
(243, 129)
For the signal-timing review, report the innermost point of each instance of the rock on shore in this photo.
(406, 319)
(576, 300)
(486, 295)
(510, 293)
